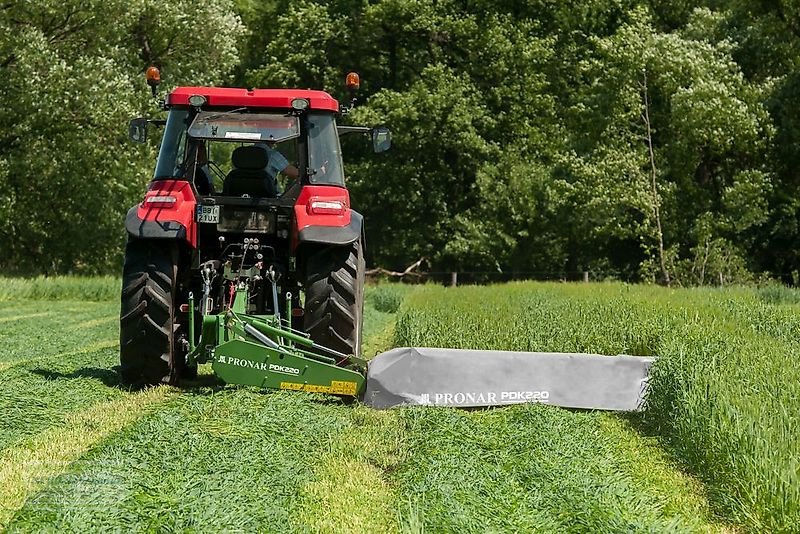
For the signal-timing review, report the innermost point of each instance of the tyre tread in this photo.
(146, 314)
(333, 309)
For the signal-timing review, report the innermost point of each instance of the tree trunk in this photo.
(653, 182)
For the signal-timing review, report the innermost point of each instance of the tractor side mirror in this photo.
(137, 130)
(381, 139)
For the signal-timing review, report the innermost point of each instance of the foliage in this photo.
(521, 143)
(640, 139)
(70, 82)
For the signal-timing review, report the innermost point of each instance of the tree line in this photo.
(641, 140)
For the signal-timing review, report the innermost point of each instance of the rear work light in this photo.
(300, 104)
(326, 207)
(197, 100)
(163, 201)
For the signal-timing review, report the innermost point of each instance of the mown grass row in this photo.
(60, 394)
(233, 460)
(210, 456)
(243, 460)
(531, 468)
(725, 393)
(50, 365)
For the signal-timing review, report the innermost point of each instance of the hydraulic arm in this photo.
(263, 351)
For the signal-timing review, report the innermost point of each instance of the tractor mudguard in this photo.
(166, 212)
(323, 215)
(333, 235)
(144, 229)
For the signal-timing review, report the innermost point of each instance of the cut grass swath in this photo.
(28, 466)
(42, 328)
(90, 348)
(234, 459)
(209, 459)
(41, 394)
(532, 468)
(350, 491)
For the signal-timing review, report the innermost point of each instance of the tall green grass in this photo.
(96, 288)
(725, 392)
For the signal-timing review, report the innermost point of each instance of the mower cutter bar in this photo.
(467, 378)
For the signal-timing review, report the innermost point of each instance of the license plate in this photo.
(207, 214)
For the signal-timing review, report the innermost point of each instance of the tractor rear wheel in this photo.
(334, 297)
(148, 352)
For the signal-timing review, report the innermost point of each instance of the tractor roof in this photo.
(255, 98)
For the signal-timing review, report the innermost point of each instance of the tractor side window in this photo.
(324, 152)
(173, 145)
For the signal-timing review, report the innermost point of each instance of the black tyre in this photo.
(148, 352)
(334, 297)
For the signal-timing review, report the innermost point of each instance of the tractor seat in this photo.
(249, 175)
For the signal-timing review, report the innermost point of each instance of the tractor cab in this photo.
(249, 150)
(206, 124)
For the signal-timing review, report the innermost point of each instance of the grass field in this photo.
(78, 452)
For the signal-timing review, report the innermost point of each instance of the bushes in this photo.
(387, 298)
(725, 392)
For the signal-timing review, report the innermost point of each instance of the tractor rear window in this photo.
(249, 127)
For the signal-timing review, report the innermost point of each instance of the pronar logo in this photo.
(486, 397)
(259, 366)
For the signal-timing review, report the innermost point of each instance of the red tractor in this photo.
(220, 214)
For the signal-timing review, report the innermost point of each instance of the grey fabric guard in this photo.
(464, 378)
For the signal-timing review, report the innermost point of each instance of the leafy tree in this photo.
(677, 114)
(645, 140)
(70, 82)
(437, 149)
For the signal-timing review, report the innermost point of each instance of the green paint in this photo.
(267, 357)
(249, 363)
